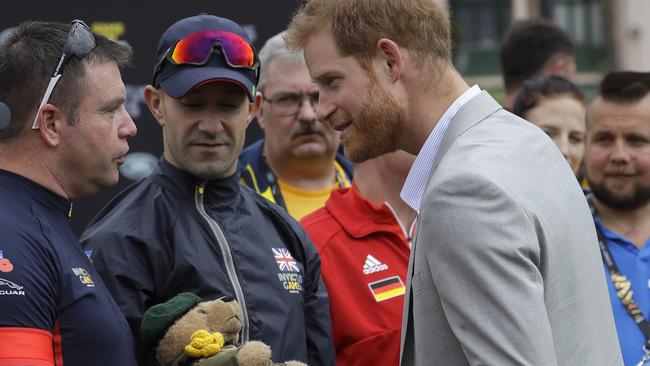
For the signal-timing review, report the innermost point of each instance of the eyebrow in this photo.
(112, 105)
(636, 134)
(318, 79)
(602, 133)
(291, 92)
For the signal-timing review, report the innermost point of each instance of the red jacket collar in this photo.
(360, 217)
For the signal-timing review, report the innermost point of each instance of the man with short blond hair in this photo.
(496, 275)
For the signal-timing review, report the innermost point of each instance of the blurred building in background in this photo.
(608, 34)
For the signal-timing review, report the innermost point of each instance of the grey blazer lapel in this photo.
(471, 113)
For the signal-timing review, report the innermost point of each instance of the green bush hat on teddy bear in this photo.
(189, 331)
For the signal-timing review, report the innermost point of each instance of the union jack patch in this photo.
(284, 260)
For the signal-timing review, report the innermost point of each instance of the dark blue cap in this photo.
(178, 80)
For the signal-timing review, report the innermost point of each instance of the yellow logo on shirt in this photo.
(84, 277)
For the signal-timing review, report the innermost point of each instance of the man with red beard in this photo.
(296, 164)
(504, 267)
(618, 171)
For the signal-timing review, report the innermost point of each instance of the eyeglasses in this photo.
(288, 104)
(196, 49)
(79, 43)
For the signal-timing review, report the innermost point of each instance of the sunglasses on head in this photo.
(197, 47)
(79, 43)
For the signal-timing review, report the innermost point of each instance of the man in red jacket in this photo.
(363, 237)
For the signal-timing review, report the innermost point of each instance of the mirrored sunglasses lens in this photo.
(194, 48)
(197, 48)
(237, 50)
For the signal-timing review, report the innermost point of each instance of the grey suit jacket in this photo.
(505, 268)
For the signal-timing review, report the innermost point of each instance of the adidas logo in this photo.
(372, 265)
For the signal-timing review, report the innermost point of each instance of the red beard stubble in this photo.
(376, 126)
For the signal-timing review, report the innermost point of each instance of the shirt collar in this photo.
(613, 237)
(348, 204)
(221, 190)
(416, 181)
(22, 184)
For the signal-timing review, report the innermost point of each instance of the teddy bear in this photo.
(189, 331)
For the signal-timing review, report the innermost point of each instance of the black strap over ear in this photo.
(5, 116)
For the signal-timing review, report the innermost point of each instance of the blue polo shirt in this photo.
(53, 305)
(634, 263)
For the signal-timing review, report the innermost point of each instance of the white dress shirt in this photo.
(416, 181)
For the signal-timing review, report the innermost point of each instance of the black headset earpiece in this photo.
(5, 116)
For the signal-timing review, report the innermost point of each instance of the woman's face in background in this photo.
(562, 117)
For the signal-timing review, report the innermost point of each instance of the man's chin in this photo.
(359, 155)
(310, 150)
(95, 187)
(210, 169)
(622, 198)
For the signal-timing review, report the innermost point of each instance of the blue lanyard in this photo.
(622, 284)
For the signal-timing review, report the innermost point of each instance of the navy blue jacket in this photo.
(173, 232)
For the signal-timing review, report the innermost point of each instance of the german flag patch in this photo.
(387, 288)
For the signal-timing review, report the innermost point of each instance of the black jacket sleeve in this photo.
(127, 265)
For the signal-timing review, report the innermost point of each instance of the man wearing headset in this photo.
(190, 225)
(54, 308)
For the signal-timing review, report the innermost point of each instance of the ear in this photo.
(51, 123)
(254, 107)
(260, 113)
(391, 59)
(560, 65)
(154, 99)
(555, 65)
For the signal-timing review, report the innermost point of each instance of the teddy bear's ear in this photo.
(234, 306)
(224, 317)
(254, 353)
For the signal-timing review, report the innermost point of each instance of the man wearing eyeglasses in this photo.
(64, 137)
(191, 226)
(296, 165)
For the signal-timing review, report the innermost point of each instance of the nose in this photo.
(307, 112)
(620, 153)
(127, 129)
(211, 122)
